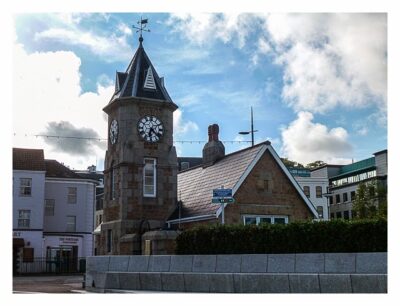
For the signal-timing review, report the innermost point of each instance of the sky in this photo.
(317, 82)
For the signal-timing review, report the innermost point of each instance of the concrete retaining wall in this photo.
(250, 273)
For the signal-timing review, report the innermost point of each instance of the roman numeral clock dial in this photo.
(114, 131)
(150, 128)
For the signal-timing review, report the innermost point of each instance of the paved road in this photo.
(48, 284)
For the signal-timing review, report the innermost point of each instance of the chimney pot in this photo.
(213, 149)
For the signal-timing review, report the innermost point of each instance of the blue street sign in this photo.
(222, 193)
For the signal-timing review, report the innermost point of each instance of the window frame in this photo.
(185, 165)
(345, 197)
(337, 196)
(27, 218)
(154, 177)
(68, 224)
(308, 193)
(52, 204)
(321, 212)
(72, 197)
(272, 217)
(318, 191)
(23, 187)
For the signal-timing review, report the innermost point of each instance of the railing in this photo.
(51, 266)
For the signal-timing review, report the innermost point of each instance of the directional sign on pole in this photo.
(222, 200)
(222, 193)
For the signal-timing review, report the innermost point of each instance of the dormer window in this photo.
(149, 80)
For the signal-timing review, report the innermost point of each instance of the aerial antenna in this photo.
(142, 27)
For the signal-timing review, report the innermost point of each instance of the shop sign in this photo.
(69, 240)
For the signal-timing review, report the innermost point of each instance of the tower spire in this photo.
(142, 27)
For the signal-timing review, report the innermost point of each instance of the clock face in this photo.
(114, 131)
(150, 128)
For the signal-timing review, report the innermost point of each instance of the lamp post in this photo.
(252, 131)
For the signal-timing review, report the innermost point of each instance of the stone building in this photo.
(263, 188)
(140, 170)
(141, 178)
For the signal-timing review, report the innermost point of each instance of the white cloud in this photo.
(201, 28)
(46, 88)
(305, 141)
(110, 48)
(331, 59)
(328, 60)
(182, 127)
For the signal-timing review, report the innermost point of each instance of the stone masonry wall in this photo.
(267, 191)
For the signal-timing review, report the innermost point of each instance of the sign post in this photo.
(222, 196)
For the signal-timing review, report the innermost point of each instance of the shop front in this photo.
(63, 253)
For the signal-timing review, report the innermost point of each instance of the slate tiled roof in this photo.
(28, 159)
(195, 185)
(56, 169)
(131, 83)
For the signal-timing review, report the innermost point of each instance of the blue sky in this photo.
(317, 82)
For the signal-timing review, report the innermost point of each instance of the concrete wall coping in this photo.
(335, 263)
(236, 282)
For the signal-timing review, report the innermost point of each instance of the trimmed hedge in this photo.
(335, 236)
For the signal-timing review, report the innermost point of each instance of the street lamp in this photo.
(252, 131)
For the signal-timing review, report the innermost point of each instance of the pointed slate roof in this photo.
(195, 185)
(140, 80)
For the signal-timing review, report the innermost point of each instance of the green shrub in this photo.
(296, 237)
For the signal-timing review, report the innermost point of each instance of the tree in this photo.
(370, 200)
(316, 164)
(290, 163)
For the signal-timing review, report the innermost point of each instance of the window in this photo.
(24, 218)
(345, 198)
(337, 198)
(109, 241)
(25, 188)
(71, 223)
(265, 219)
(71, 195)
(346, 215)
(318, 191)
(332, 216)
(49, 207)
(330, 200)
(307, 191)
(339, 214)
(320, 210)
(352, 195)
(185, 165)
(149, 177)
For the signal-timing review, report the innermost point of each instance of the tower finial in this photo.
(142, 23)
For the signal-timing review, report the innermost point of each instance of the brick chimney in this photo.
(213, 149)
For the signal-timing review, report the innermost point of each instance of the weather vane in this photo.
(142, 23)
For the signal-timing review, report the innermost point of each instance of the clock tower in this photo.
(140, 168)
